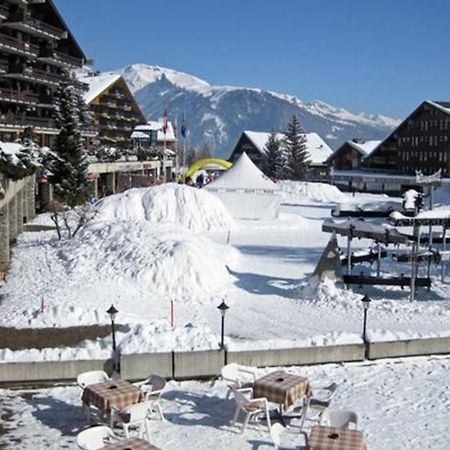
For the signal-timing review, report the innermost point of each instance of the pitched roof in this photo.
(97, 84)
(243, 175)
(142, 131)
(364, 147)
(318, 149)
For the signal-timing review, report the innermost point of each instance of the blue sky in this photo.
(379, 56)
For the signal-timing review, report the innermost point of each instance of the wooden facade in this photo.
(35, 47)
(350, 155)
(420, 143)
(116, 113)
(245, 144)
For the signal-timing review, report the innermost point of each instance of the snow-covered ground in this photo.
(400, 405)
(143, 261)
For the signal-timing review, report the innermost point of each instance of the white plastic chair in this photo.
(276, 430)
(340, 419)
(92, 377)
(321, 397)
(136, 415)
(237, 377)
(250, 407)
(152, 388)
(95, 438)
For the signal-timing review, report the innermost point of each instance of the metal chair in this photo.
(237, 377)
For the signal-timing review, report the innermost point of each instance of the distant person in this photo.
(199, 180)
(189, 181)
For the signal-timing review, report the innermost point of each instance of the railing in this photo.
(20, 69)
(72, 60)
(23, 121)
(47, 76)
(18, 44)
(26, 19)
(4, 10)
(18, 95)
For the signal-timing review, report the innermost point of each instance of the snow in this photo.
(243, 175)
(261, 268)
(400, 404)
(97, 84)
(318, 149)
(292, 191)
(191, 208)
(365, 147)
(140, 131)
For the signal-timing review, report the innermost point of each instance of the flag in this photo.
(164, 126)
(183, 126)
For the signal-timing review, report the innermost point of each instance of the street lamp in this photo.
(112, 314)
(366, 302)
(223, 310)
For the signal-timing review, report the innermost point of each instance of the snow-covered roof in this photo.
(243, 175)
(364, 147)
(143, 131)
(442, 106)
(317, 148)
(97, 84)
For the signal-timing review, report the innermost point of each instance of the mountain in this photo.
(217, 115)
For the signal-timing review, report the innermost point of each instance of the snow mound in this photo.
(442, 195)
(173, 203)
(138, 266)
(294, 191)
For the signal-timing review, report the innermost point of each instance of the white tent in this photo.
(246, 191)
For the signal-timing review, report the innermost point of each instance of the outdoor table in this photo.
(282, 388)
(111, 394)
(130, 444)
(332, 438)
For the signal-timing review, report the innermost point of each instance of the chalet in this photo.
(35, 47)
(421, 143)
(350, 154)
(114, 107)
(253, 143)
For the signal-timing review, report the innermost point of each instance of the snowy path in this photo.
(400, 404)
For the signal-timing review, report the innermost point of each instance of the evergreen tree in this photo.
(273, 160)
(69, 163)
(296, 151)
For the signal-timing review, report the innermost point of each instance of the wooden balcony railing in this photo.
(25, 18)
(11, 95)
(19, 44)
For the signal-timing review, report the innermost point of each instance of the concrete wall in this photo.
(49, 370)
(198, 364)
(140, 366)
(182, 365)
(413, 347)
(298, 356)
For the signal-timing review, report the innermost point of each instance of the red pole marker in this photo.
(42, 305)
(172, 322)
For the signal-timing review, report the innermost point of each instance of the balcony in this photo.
(22, 21)
(16, 46)
(43, 77)
(52, 56)
(11, 96)
(19, 122)
(4, 11)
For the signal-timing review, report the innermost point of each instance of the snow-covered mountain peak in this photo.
(140, 75)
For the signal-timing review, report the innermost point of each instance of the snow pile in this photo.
(138, 266)
(295, 191)
(442, 195)
(173, 203)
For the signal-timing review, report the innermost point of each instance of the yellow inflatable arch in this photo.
(205, 162)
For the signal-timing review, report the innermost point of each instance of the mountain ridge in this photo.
(217, 115)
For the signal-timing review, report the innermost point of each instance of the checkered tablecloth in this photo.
(111, 394)
(131, 444)
(332, 438)
(281, 387)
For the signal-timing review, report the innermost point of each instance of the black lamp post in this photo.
(112, 314)
(366, 302)
(223, 310)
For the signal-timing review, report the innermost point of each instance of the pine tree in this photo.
(69, 164)
(296, 151)
(273, 160)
